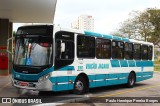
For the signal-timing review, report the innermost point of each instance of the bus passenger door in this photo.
(64, 50)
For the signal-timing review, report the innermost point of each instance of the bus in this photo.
(49, 58)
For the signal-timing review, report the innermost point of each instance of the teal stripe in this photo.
(115, 63)
(107, 36)
(144, 63)
(62, 87)
(91, 83)
(31, 77)
(93, 34)
(117, 38)
(125, 39)
(98, 80)
(35, 77)
(62, 79)
(67, 68)
(72, 78)
(141, 76)
(102, 78)
(131, 63)
(123, 63)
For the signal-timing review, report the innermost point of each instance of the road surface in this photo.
(148, 88)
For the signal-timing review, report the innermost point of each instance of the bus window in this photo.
(68, 52)
(137, 51)
(117, 50)
(103, 48)
(128, 51)
(64, 49)
(85, 46)
(144, 52)
(150, 50)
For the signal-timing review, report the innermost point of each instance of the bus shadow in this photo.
(113, 88)
(63, 96)
(92, 90)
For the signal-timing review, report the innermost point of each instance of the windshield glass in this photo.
(33, 50)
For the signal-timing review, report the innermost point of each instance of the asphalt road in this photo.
(148, 88)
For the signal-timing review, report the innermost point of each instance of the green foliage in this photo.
(156, 62)
(155, 20)
(14, 33)
(142, 25)
(157, 68)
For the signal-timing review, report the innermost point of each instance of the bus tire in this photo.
(131, 80)
(80, 86)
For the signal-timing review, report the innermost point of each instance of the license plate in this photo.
(23, 83)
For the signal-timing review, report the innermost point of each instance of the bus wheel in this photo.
(80, 86)
(131, 80)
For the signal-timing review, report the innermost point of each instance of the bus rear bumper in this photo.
(37, 86)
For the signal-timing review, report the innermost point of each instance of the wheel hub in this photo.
(79, 85)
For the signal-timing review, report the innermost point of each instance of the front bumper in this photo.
(38, 86)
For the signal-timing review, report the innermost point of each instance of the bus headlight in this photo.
(45, 77)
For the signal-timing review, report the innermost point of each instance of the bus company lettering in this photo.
(97, 66)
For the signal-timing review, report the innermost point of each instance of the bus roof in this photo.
(107, 36)
(116, 38)
(89, 33)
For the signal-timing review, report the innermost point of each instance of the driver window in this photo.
(66, 51)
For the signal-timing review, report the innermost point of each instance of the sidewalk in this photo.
(5, 81)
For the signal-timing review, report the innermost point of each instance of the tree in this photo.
(14, 33)
(155, 20)
(142, 25)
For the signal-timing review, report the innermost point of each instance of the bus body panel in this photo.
(100, 72)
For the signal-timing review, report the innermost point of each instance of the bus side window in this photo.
(85, 46)
(137, 51)
(117, 50)
(103, 48)
(150, 52)
(128, 51)
(144, 52)
(68, 53)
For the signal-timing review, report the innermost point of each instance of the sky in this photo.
(107, 14)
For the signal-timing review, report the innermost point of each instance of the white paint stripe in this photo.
(107, 79)
(123, 78)
(112, 79)
(139, 76)
(146, 75)
(61, 83)
(99, 80)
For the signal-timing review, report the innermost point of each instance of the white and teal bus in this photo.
(49, 58)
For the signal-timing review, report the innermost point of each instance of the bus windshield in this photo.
(33, 46)
(33, 51)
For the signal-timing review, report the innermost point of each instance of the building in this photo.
(84, 22)
(74, 24)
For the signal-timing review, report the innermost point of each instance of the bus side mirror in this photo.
(8, 42)
(62, 47)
